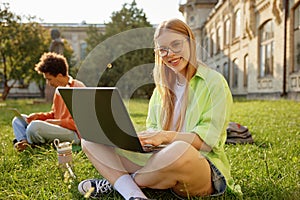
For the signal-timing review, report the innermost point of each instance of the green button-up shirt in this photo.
(207, 114)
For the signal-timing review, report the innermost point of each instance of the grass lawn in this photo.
(267, 169)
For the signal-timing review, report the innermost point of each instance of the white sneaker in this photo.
(101, 186)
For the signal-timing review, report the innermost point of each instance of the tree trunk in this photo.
(5, 92)
(42, 90)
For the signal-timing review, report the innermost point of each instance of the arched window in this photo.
(237, 24)
(246, 63)
(235, 72)
(296, 66)
(266, 57)
(227, 32)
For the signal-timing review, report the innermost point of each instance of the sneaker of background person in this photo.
(21, 146)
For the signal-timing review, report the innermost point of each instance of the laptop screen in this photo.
(101, 116)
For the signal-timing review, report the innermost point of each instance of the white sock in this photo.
(126, 186)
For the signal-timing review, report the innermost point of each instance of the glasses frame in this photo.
(168, 49)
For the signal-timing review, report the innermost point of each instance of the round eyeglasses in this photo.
(175, 46)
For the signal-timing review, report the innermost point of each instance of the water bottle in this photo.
(64, 156)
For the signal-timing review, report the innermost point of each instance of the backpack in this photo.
(238, 134)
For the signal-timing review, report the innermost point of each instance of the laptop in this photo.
(101, 117)
(18, 115)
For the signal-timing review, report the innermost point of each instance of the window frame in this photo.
(245, 74)
(296, 39)
(227, 32)
(266, 50)
(237, 24)
(235, 73)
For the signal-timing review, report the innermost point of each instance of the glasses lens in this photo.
(176, 46)
(162, 52)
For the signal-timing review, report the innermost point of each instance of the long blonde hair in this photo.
(165, 78)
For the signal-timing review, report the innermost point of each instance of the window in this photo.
(266, 49)
(218, 42)
(192, 20)
(246, 63)
(218, 69)
(83, 50)
(226, 71)
(237, 24)
(212, 45)
(296, 66)
(235, 70)
(205, 49)
(227, 32)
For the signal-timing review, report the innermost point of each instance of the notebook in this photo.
(101, 117)
(18, 115)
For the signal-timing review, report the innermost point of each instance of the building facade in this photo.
(255, 44)
(75, 34)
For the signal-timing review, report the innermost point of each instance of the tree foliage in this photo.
(22, 44)
(122, 49)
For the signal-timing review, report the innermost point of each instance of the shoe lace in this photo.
(103, 186)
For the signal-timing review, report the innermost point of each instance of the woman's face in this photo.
(174, 50)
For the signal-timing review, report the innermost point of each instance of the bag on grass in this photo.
(238, 134)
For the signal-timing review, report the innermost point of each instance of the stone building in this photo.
(255, 44)
(76, 35)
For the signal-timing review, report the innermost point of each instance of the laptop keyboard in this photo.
(150, 148)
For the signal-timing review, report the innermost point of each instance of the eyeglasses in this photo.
(175, 47)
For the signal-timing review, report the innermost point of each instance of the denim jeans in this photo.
(38, 132)
(218, 180)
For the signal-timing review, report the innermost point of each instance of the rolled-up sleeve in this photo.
(212, 105)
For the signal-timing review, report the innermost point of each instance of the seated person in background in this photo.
(44, 127)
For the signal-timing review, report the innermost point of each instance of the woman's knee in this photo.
(89, 147)
(177, 155)
(183, 150)
(84, 145)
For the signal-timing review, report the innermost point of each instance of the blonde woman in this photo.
(188, 112)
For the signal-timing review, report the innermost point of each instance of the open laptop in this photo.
(101, 117)
(18, 115)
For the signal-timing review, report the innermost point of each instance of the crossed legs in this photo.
(178, 166)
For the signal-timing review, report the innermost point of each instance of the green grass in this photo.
(267, 169)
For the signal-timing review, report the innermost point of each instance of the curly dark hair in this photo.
(53, 64)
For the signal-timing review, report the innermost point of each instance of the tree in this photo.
(121, 49)
(22, 44)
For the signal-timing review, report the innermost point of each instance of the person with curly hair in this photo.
(44, 127)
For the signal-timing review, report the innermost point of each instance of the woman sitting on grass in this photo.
(189, 112)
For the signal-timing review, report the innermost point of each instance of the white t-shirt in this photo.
(179, 91)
